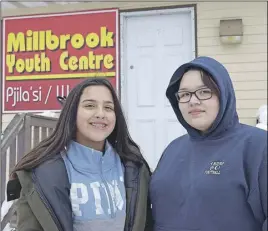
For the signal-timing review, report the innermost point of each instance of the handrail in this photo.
(23, 133)
(11, 131)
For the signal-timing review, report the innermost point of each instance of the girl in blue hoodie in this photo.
(215, 177)
(88, 175)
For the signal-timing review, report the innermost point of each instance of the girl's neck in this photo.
(99, 146)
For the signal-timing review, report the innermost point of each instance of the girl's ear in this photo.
(61, 100)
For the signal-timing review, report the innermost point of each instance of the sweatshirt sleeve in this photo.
(258, 196)
(263, 190)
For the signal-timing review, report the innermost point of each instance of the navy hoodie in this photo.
(216, 181)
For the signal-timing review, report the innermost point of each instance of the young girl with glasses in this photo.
(215, 177)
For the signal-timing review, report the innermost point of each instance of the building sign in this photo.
(45, 56)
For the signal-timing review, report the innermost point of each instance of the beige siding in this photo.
(251, 94)
(246, 62)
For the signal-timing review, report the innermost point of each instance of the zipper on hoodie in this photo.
(110, 200)
(46, 203)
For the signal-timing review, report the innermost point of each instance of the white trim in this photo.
(3, 67)
(160, 11)
(60, 14)
(193, 34)
(123, 17)
(117, 51)
(123, 68)
(31, 111)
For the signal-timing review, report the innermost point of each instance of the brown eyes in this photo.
(201, 94)
(93, 106)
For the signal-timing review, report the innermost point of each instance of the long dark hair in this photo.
(65, 131)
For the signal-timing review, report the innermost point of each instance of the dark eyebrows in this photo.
(199, 87)
(108, 102)
(95, 101)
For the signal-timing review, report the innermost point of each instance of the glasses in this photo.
(201, 94)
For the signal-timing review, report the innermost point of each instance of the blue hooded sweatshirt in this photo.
(215, 181)
(97, 188)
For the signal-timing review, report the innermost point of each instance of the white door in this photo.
(154, 46)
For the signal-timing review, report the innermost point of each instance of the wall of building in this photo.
(246, 62)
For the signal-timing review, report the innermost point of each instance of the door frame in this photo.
(161, 11)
